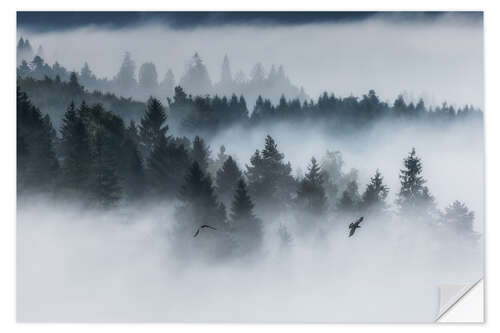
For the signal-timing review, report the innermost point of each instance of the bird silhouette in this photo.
(354, 226)
(203, 227)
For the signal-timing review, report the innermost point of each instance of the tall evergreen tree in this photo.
(167, 165)
(246, 227)
(458, 217)
(376, 192)
(226, 180)
(125, 79)
(196, 79)
(226, 78)
(133, 175)
(148, 78)
(76, 151)
(414, 197)
(200, 204)
(270, 179)
(105, 186)
(153, 127)
(219, 160)
(311, 194)
(350, 198)
(36, 160)
(200, 153)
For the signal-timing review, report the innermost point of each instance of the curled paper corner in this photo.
(451, 302)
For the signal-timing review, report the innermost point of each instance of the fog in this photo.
(438, 60)
(80, 264)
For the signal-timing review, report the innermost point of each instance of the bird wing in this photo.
(197, 232)
(208, 226)
(351, 232)
(358, 221)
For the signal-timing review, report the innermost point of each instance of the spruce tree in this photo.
(219, 160)
(458, 217)
(376, 192)
(199, 203)
(152, 128)
(76, 151)
(133, 176)
(37, 164)
(311, 194)
(270, 179)
(246, 227)
(350, 199)
(414, 197)
(167, 165)
(226, 180)
(105, 186)
(200, 153)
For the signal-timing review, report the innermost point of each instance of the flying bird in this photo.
(203, 227)
(354, 226)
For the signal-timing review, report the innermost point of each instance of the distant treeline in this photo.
(208, 114)
(145, 82)
(101, 161)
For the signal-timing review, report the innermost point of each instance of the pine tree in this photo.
(200, 153)
(132, 165)
(414, 197)
(376, 192)
(105, 186)
(148, 78)
(219, 160)
(226, 78)
(200, 205)
(246, 227)
(458, 217)
(152, 128)
(196, 79)
(167, 165)
(76, 151)
(37, 164)
(270, 179)
(350, 199)
(168, 83)
(125, 77)
(311, 194)
(226, 180)
(74, 86)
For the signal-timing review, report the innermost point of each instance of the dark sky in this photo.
(55, 21)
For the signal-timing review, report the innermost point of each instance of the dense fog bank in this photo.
(81, 265)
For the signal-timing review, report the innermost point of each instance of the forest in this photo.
(227, 172)
(96, 158)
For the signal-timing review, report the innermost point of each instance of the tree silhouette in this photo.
(200, 153)
(311, 194)
(350, 199)
(152, 128)
(36, 160)
(376, 192)
(414, 197)
(76, 151)
(125, 79)
(458, 217)
(200, 205)
(226, 179)
(148, 78)
(269, 177)
(246, 227)
(105, 186)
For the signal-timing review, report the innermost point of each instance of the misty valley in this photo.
(238, 200)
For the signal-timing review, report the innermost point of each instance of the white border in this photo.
(7, 132)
